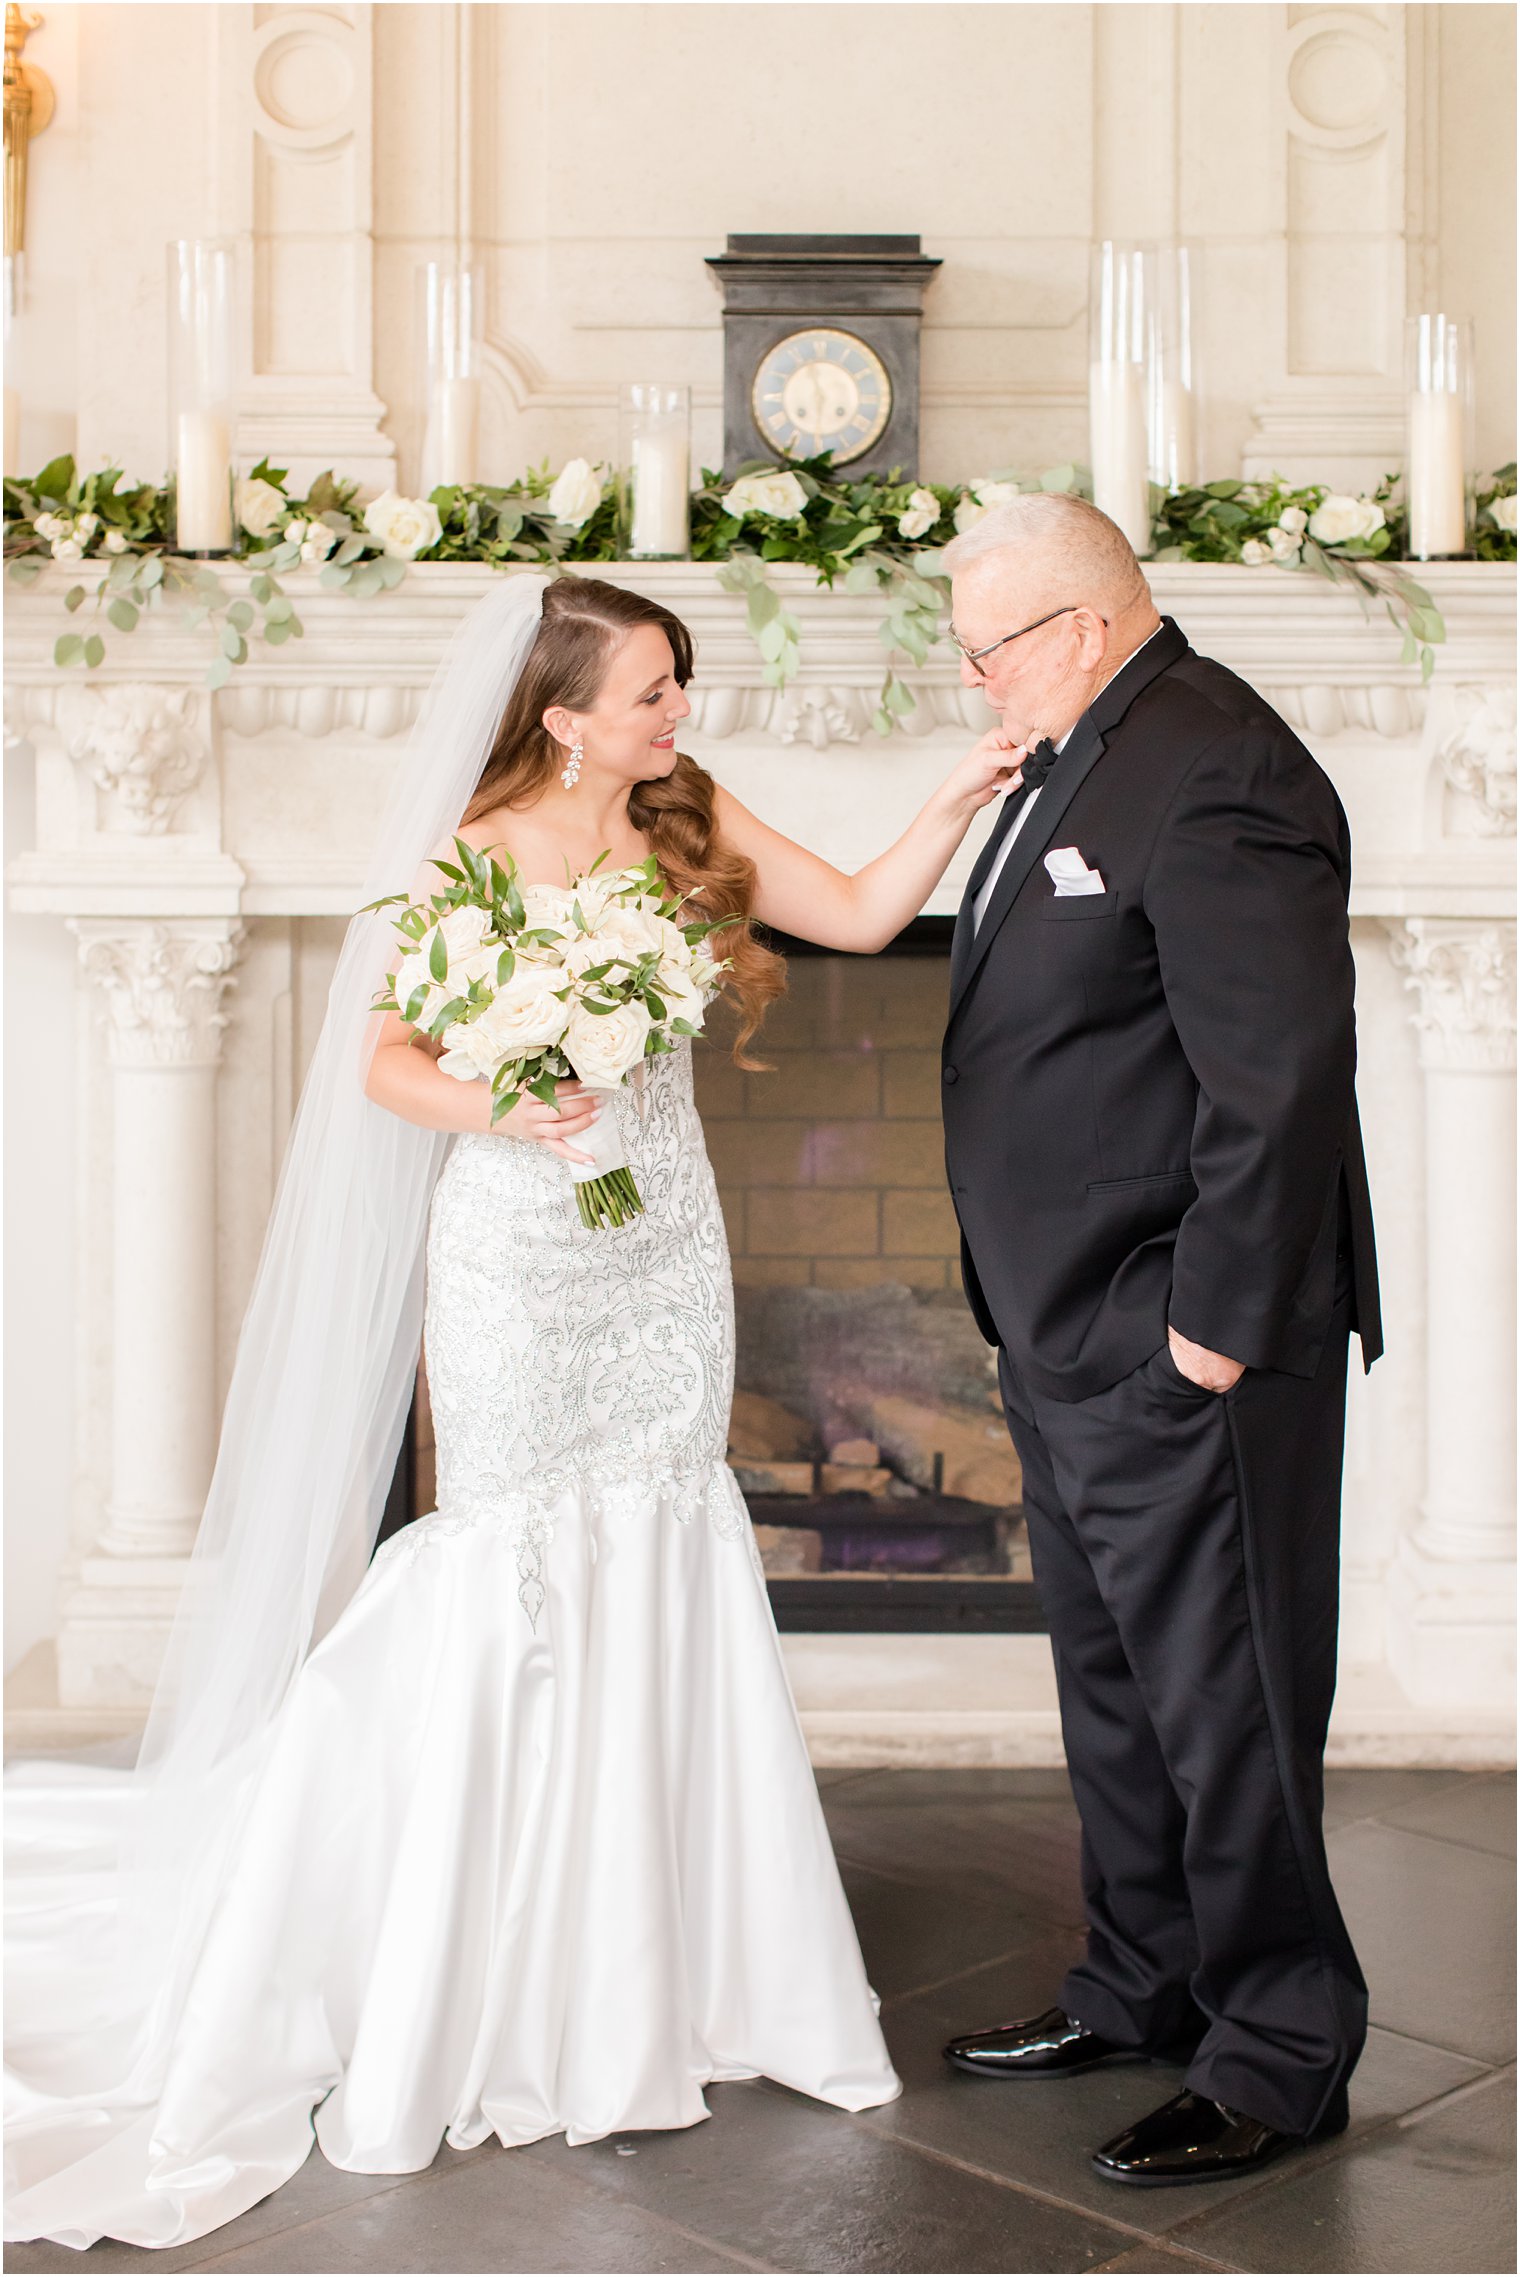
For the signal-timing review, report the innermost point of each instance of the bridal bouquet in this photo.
(528, 985)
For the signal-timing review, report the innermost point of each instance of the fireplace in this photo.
(867, 1432)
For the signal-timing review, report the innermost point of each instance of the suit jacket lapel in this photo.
(1060, 788)
(1065, 779)
(960, 945)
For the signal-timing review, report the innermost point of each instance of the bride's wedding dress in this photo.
(536, 1845)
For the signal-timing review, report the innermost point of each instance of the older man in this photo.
(1152, 1143)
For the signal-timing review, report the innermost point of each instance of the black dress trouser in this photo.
(1186, 1550)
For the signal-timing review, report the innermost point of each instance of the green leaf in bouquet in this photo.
(656, 1004)
(542, 1087)
(414, 1004)
(680, 1027)
(386, 901)
(455, 1009)
(498, 881)
(503, 1103)
(438, 958)
(604, 855)
(579, 915)
(506, 965)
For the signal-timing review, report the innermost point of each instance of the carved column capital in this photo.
(138, 743)
(162, 986)
(1463, 974)
(1470, 738)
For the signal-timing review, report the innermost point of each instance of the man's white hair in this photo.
(1059, 544)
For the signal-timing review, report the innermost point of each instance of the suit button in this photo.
(952, 1074)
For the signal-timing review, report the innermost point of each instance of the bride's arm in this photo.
(798, 892)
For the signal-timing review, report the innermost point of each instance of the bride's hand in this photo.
(574, 1111)
(989, 767)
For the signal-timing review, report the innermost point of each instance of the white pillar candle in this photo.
(1435, 478)
(659, 478)
(203, 474)
(1116, 415)
(1176, 456)
(456, 420)
(12, 430)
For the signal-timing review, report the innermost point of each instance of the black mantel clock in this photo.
(820, 349)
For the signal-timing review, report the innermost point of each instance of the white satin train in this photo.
(496, 1878)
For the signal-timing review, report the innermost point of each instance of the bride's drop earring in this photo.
(572, 773)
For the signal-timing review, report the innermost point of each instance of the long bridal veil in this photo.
(118, 1874)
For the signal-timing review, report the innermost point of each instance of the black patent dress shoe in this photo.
(1052, 2046)
(1194, 2139)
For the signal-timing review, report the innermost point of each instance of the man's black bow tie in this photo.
(1039, 763)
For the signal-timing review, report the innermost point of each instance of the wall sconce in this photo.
(28, 108)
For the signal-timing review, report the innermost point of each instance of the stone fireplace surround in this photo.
(202, 850)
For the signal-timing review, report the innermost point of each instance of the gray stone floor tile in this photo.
(915, 1935)
(939, 1789)
(1158, 2260)
(1025, 1853)
(1434, 1927)
(808, 2188)
(1353, 1794)
(497, 2211)
(1435, 2192)
(1479, 1813)
(1043, 2132)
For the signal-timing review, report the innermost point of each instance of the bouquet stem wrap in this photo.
(604, 1187)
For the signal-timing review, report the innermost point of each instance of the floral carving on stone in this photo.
(162, 987)
(1472, 741)
(819, 716)
(1463, 973)
(139, 745)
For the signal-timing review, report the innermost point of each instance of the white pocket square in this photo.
(1070, 874)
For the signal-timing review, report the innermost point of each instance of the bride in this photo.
(512, 1830)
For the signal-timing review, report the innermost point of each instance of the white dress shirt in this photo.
(979, 907)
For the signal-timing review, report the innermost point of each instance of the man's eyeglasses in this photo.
(974, 656)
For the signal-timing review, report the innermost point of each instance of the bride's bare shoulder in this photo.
(487, 830)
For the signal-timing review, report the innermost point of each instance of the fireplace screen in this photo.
(867, 1431)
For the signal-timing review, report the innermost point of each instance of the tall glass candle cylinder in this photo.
(654, 472)
(1174, 403)
(1120, 381)
(202, 417)
(1438, 448)
(450, 330)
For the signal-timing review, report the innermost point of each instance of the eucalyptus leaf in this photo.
(94, 651)
(122, 615)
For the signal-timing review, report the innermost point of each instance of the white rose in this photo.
(295, 530)
(967, 513)
(411, 974)
(404, 526)
(547, 906)
(87, 525)
(1340, 517)
(603, 1046)
(67, 549)
(1503, 512)
(635, 932)
(1294, 520)
(680, 991)
(576, 495)
(116, 541)
(1284, 545)
(52, 525)
(318, 542)
(259, 507)
(524, 1016)
(919, 516)
(990, 494)
(779, 495)
(1253, 553)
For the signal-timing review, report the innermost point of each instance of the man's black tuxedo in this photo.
(1150, 1118)
(1148, 1092)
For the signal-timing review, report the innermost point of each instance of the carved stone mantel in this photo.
(183, 834)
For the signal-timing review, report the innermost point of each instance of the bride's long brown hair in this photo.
(585, 622)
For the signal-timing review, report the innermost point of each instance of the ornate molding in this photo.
(1471, 740)
(1464, 976)
(137, 743)
(162, 987)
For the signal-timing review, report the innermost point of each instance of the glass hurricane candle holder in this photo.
(202, 336)
(654, 472)
(450, 294)
(1121, 384)
(1439, 446)
(1174, 403)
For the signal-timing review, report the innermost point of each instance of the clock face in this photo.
(821, 390)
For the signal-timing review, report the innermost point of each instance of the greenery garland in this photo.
(880, 534)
